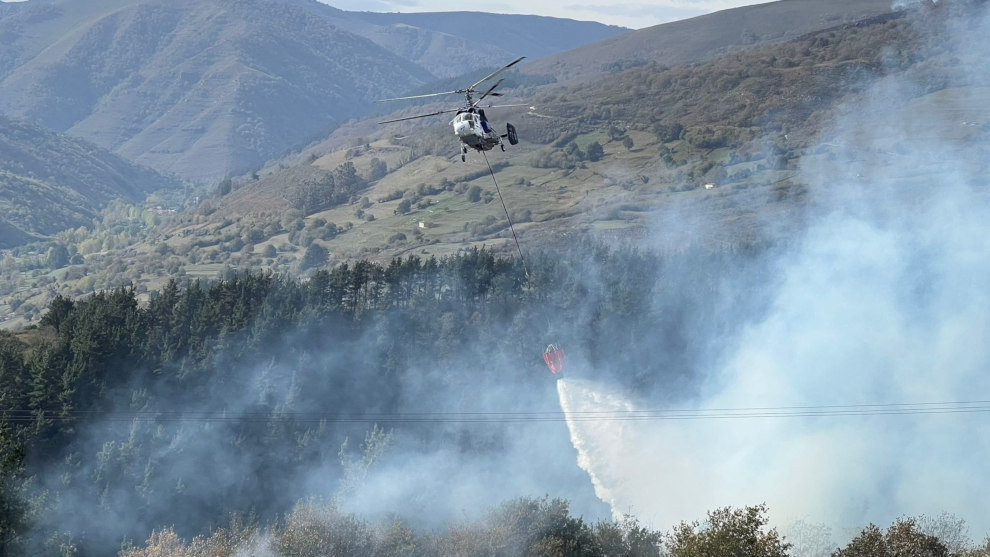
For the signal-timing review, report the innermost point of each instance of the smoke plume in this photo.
(881, 299)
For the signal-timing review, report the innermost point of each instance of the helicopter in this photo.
(470, 122)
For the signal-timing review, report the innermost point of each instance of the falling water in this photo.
(597, 441)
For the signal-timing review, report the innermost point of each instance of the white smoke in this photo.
(882, 301)
(906, 4)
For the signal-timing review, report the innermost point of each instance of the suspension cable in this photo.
(507, 217)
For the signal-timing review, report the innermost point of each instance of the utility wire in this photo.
(902, 409)
(507, 218)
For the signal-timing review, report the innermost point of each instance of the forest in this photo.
(276, 372)
(186, 426)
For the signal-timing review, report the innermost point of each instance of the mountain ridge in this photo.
(205, 89)
(699, 38)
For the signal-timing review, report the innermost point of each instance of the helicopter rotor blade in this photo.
(437, 113)
(421, 96)
(489, 91)
(469, 90)
(496, 72)
(504, 106)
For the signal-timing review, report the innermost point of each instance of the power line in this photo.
(830, 411)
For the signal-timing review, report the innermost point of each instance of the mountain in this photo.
(604, 158)
(454, 43)
(450, 44)
(198, 88)
(206, 88)
(51, 182)
(700, 38)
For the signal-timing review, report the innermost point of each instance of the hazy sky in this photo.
(634, 14)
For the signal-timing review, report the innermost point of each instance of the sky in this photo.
(632, 14)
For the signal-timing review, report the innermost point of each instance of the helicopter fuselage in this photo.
(475, 132)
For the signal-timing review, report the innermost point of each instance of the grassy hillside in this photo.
(52, 182)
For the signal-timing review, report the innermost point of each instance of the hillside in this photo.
(450, 44)
(207, 89)
(663, 132)
(201, 89)
(447, 43)
(608, 159)
(700, 38)
(52, 182)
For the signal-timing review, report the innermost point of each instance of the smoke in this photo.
(124, 479)
(876, 298)
(881, 299)
(907, 4)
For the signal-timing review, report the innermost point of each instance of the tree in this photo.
(315, 256)
(346, 181)
(948, 528)
(626, 539)
(378, 169)
(595, 152)
(728, 531)
(869, 543)
(14, 508)
(537, 527)
(903, 539)
(981, 551)
(377, 442)
(310, 196)
(58, 310)
(224, 187)
(57, 256)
